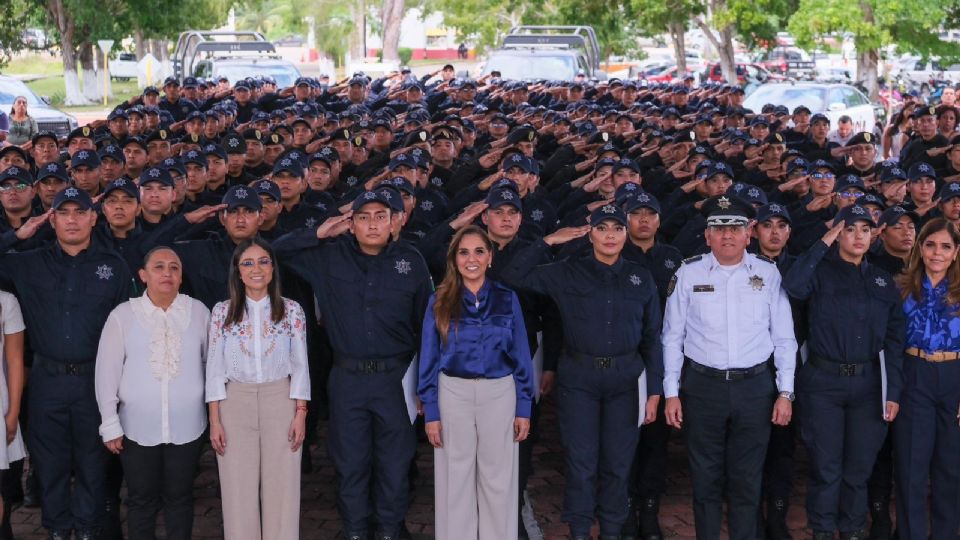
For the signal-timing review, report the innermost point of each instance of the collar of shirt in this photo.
(604, 268)
(475, 301)
(166, 330)
(747, 262)
(261, 304)
(938, 293)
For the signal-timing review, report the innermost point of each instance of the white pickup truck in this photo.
(123, 67)
(920, 72)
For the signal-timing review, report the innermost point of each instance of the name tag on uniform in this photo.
(703, 288)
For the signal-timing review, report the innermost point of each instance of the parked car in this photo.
(123, 67)
(48, 118)
(34, 38)
(915, 71)
(292, 40)
(667, 75)
(746, 73)
(835, 75)
(833, 100)
(789, 62)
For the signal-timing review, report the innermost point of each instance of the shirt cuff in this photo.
(671, 387)
(523, 408)
(111, 429)
(431, 412)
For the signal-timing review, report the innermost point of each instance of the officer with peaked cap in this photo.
(729, 329)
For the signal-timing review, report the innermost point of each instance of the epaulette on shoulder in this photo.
(693, 259)
(765, 259)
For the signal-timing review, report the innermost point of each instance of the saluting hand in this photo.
(468, 215)
(433, 430)
(565, 235)
(521, 429)
(673, 411)
(334, 226)
(203, 213)
(831, 236)
(33, 225)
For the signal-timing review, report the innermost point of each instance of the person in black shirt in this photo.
(929, 145)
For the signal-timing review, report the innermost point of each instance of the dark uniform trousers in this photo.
(649, 475)
(370, 432)
(64, 439)
(727, 427)
(598, 407)
(927, 443)
(842, 426)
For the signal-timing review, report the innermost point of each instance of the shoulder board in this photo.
(693, 259)
(765, 258)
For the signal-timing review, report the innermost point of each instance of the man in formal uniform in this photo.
(66, 291)
(727, 325)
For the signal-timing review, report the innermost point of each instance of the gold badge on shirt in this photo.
(756, 282)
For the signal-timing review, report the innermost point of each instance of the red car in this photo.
(753, 72)
(668, 75)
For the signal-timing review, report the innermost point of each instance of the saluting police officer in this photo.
(726, 318)
(66, 291)
(854, 313)
(372, 292)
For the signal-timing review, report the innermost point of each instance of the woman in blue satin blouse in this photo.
(926, 436)
(477, 390)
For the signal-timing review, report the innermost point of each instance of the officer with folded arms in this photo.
(727, 325)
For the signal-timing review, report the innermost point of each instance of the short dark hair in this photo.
(844, 120)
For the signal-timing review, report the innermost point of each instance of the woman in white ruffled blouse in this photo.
(149, 384)
(257, 390)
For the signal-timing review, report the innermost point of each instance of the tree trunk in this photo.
(392, 17)
(91, 85)
(867, 71)
(726, 52)
(141, 47)
(679, 47)
(61, 19)
(358, 36)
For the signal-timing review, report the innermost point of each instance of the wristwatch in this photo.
(789, 396)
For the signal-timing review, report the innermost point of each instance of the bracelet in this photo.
(301, 407)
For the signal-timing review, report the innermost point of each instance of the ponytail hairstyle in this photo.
(449, 296)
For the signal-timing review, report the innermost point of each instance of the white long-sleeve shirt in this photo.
(150, 370)
(257, 350)
(728, 318)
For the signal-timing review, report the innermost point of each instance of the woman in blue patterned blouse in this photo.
(477, 390)
(926, 434)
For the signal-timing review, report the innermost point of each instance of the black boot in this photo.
(853, 535)
(880, 523)
(31, 491)
(821, 535)
(777, 520)
(521, 528)
(6, 530)
(609, 537)
(58, 535)
(111, 528)
(630, 528)
(88, 534)
(355, 535)
(306, 461)
(649, 519)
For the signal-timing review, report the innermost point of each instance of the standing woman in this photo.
(257, 390)
(610, 311)
(11, 385)
(927, 440)
(22, 126)
(854, 314)
(149, 383)
(476, 385)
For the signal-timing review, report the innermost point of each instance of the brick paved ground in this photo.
(319, 519)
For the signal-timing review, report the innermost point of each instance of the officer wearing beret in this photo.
(372, 292)
(66, 291)
(861, 151)
(158, 147)
(728, 323)
(610, 312)
(854, 313)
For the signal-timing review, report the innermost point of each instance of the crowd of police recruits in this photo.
(679, 261)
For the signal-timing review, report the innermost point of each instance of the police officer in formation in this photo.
(589, 192)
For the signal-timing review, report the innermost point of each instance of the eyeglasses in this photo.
(7, 188)
(823, 176)
(850, 195)
(250, 263)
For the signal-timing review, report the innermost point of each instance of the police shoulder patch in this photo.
(693, 259)
(766, 259)
(672, 285)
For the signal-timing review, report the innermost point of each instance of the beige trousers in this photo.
(259, 475)
(476, 471)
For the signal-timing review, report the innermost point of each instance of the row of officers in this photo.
(712, 350)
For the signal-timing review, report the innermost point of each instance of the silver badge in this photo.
(71, 192)
(426, 206)
(240, 193)
(609, 209)
(104, 272)
(669, 264)
(536, 215)
(310, 223)
(402, 266)
(635, 279)
(154, 173)
(881, 282)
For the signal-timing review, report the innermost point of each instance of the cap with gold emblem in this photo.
(727, 210)
(924, 111)
(82, 132)
(864, 137)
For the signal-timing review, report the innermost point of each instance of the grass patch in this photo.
(53, 87)
(34, 63)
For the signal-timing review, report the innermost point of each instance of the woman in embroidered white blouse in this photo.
(257, 388)
(149, 385)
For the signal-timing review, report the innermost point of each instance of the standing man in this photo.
(726, 319)
(66, 291)
(372, 292)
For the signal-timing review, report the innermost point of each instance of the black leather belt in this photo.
(843, 370)
(371, 365)
(728, 374)
(56, 367)
(601, 362)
